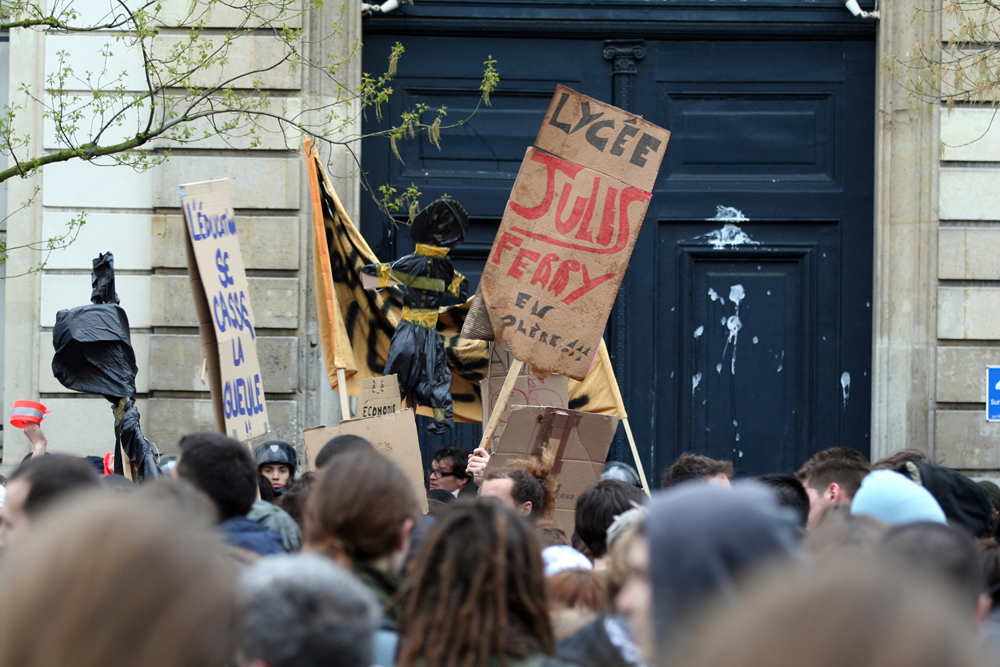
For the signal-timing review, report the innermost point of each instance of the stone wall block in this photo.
(964, 439)
(176, 360)
(961, 373)
(971, 313)
(260, 53)
(172, 418)
(266, 242)
(969, 194)
(275, 302)
(254, 182)
(81, 426)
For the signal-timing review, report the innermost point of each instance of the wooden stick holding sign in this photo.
(613, 381)
(345, 407)
(505, 391)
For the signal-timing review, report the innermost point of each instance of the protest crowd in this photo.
(236, 558)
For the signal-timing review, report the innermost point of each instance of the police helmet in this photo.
(276, 451)
(622, 472)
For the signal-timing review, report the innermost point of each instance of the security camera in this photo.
(385, 7)
(855, 8)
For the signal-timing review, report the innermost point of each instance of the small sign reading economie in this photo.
(993, 393)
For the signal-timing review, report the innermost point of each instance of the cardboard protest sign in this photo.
(378, 396)
(568, 231)
(528, 390)
(225, 316)
(578, 440)
(394, 436)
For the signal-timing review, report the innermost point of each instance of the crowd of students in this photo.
(244, 560)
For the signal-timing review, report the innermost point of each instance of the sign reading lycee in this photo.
(993, 393)
(225, 316)
(568, 231)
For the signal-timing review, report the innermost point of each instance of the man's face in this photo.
(13, 520)
(818, 501)
(443, 476)
(276, 473)
(635, 599)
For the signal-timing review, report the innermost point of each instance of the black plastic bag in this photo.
(94, 351)
(130, 441)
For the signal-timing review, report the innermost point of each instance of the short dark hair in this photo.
(989, 553)
(597, 507)
(941, 551)
(843, 466)
(340, 445)
(896, 459)
(52, 477)
(265, 489)
(790, 493)
(524, 487)
(694, 466)
(459, 459)
(222, 468)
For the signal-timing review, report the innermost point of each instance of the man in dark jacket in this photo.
(225, 470)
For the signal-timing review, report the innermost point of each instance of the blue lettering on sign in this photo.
(993, 393)
(242, 397)
(208, 226)
(230, 310)
(222, 263)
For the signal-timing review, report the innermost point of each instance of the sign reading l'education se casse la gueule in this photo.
(568, 231)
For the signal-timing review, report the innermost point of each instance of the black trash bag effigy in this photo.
(416, 353)
(94, 355)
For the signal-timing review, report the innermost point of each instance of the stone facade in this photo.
(137, 217)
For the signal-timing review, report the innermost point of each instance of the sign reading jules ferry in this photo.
(568, 231)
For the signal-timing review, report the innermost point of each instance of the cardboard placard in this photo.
(394, 436)
(225, 315)
(568, 231)
(378, 396)
(553, 391)
(501, 357)
(580, 439)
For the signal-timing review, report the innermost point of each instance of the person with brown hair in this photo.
(118, 581)
(526, 486)
(476, 593)
(361, 513)
(865, 614)
(576, 597)
(832, 477)
(690, 466)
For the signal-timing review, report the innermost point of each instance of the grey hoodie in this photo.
(702, 537)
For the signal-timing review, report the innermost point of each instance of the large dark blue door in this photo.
(744, 326)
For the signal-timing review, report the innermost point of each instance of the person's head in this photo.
(277, 462)
(867, 614)
(838, 531)
(293, 500)
(448, 469)
(901, 457)
(475, 591)
(576, 589)
(944, 553)
(362, 508)
(221, 467)
(790, 493)
(264, 489)
(526, 486)
(994, 492)
(698, 541)
(896, 500)
(341, 445)
(37, 484)
(550, 534)
(182, 497)
(695, 466)
(305, 611)
(597, 507)
(989, 554)
(832, 477)
(177, 609)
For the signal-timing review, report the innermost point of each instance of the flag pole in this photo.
(501, 404)
(345, 407)
(602, 352)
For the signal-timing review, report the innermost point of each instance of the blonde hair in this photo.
(116, 581)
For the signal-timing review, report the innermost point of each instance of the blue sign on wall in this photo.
(993, 393)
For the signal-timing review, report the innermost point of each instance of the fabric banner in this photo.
(356, 325)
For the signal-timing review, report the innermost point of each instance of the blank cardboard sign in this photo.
(528, 390)
(394, 436)
(581, 441)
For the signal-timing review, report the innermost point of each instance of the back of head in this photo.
(963, 502)
(550, 534)
(357, 507)
(531, 481)
(865, 614)
(475, 591)
(222, 468)
(597, 507)
(790, 493)
(896, 459)
(296, 494)
(304, 611)
(576, 589)
(989, 554)
(178, 609)
(182, 497)
(895, 500)
(843, 466)
(51, 478)
(838, 531)
(940, 552)
(340, 445)
(702, 538)
(694, 466)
